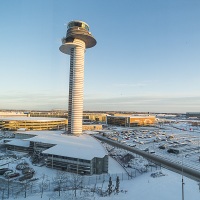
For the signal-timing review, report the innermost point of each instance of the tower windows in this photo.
(79, 24)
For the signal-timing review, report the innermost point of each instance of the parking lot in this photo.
(177, 141)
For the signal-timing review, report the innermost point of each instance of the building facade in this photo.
(78, 165)
(32, 123)
(130, 121)
(97, 117)
(193, 115)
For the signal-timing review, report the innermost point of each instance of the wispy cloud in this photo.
(33, 101)
(146, 103)
(136, 84)
(130, 84)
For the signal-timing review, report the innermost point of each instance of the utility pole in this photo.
(3, 193)
(182, 188)
(25, 189)
(8, 187)
(182, 181)
(59, 186)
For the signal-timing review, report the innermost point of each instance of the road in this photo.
(161, 161)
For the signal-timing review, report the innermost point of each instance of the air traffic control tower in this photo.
(77, 39)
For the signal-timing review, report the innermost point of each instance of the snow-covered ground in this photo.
(114, 167)
(144, 187)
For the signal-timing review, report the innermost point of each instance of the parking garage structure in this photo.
(82, 155)
(32, 123)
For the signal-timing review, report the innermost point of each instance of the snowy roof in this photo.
(19, 142)
(133, 116)
(21, 129)
(84, 146)
(42, 119)
(139, 116)
(12, 113)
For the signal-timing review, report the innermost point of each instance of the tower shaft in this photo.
(76, 83)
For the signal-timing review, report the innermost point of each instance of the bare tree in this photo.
(76, 182)
(24, 187)
(117, 185)
(43, 185)
(110, 186)
(60, 180)
(2, 190)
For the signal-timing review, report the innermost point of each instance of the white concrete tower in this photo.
(77, 39)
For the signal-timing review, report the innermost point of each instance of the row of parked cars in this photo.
(26, 171)
(8, 173)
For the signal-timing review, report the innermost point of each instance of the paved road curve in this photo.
(179, 168)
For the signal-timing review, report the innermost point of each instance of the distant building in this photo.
(195, 123)
(91, 127)
(40, 123)
(166, 116)
(130, 121)
(193, 115)
(53, 113)
(32, 123)
(12, 114)
(98, 117)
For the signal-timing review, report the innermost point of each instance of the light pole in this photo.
(182, 181)
(2, 193)
(49, 183)
(25, 188)
(8, 187)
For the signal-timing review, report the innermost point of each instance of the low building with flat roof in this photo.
(12, 114)
(130, 121)
(193, 115)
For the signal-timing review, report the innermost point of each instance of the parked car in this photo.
(26, 176)
(162, 147)
(3, 170)
(28, 170)
(12, 175)
(132, 145)
(21, 166)
(175, 151)
(147, 149)
(8, 172)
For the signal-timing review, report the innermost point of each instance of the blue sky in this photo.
(147, 56)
